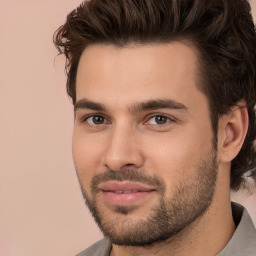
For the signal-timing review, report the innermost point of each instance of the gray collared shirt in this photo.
(242, 243)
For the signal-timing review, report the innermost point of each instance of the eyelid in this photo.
(171, 118)
(92, 117)
(84, 118)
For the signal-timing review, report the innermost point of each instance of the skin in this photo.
(121, 78)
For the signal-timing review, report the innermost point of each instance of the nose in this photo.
(123, 150)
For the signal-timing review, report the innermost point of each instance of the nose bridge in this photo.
(123, 149)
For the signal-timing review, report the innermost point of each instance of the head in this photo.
(153, 83)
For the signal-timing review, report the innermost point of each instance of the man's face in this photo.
(143, 141)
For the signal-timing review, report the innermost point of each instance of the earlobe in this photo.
(234, 128)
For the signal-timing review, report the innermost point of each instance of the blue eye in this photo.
(158, 120)
(96, 120)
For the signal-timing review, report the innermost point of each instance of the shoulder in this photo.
(100, 248)
(243, 241)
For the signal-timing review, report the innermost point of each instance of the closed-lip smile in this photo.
(125, 193)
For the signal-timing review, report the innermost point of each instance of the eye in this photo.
(158, 120)
(96, 120)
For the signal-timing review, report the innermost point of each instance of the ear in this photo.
(232, 131)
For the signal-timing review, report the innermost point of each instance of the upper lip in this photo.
(114, 186)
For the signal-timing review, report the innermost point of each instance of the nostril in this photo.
(129, 165)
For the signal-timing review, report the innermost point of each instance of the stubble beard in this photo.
(169, 217)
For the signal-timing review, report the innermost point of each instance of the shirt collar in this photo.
(243, 241)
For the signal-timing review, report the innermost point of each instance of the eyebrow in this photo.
(87, 104)
(137, 107)
(158, 104)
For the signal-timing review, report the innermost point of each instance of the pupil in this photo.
(98, 120)
(161, 119)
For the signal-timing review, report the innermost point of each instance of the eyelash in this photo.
(168, 120)
(85, 119)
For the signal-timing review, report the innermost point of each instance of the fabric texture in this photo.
(242, 243)
(100, 248)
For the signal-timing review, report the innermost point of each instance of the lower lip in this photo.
(125, 199)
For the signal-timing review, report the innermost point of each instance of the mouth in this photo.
(125, 193)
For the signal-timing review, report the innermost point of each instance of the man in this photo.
(164, 94)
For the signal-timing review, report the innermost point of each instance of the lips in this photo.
(125, 193)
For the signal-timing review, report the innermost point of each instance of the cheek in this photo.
(168, 160)
(86, 157)
(176, 156)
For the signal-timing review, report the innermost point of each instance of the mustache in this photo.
(127, 175)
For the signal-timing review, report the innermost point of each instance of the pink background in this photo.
(42, 212)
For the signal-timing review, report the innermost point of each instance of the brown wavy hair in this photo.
(222, 30)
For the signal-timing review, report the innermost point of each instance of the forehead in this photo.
(137, 73)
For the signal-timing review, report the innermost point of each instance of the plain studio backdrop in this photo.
(42, 212)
